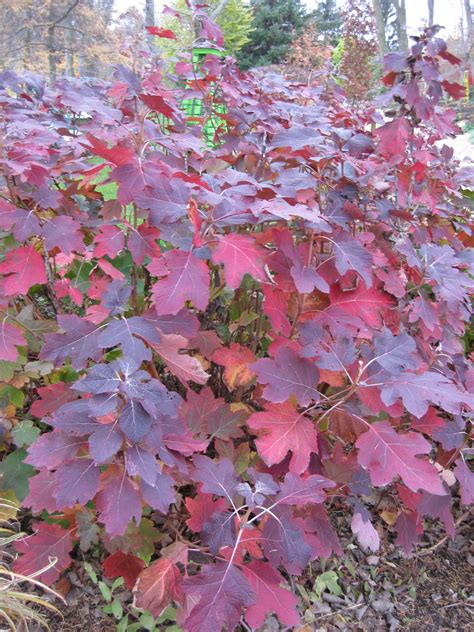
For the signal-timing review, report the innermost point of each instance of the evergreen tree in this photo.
(275, 24)
(327, 18)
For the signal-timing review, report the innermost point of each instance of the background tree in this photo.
(275, 24)
(55, 38)
(430, 12)
(401, 24)
(309, 52)
(360, 47)
(235, 18)
(327, 18)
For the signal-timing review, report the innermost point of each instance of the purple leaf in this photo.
(105, 442)
(128, 332)
(74, 418)
(283, 541)
(118, 502)
(134, 421)
(64, 233)
(300, 491)
(418, 391)
(287, 375)
(217, 477)
(466, 481)
(220, 590)
(219, 531)
(76, 482)
(79, 342)
(351, 255)
(161, 494)
(188, 280)
(52, 449)
(141, 463)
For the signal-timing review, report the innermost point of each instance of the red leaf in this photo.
(159, 32)
(280, 429)
(10, 338)
(201, 509)
(157, 586)
(266, 583)
(240, 256)
(23, 268)
(387, 454)
(49, 542)
(364, 303)
(393, 137)
(184, 366)
(109, 241)
(236, 360)
(123, 565)
(455, 90)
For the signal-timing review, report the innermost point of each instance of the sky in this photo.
(448, 13)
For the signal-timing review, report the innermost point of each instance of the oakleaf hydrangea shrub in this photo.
(229, 339)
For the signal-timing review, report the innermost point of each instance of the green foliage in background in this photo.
(275, 24)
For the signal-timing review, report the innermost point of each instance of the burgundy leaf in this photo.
(50, 542)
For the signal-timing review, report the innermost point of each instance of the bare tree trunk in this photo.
(380, 22)
(51, 43)
(150, 18)
(468, 10)
(470, 34)
(401, 24)
(430, 12)
(69, 45)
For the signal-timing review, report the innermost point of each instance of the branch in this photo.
(65, 15)
(218, 10)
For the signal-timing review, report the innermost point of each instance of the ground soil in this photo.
(431, 591)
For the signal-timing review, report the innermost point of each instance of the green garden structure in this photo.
(195, 109)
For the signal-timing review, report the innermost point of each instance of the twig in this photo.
(332, 614)
(436, 546)
(458, 603)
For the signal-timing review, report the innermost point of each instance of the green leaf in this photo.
(147, 621)
(7, 369)
(123, 624)
(90, 571)
(149, 536)
(117, 609)
(11, 395)
(327, 581)
(167, 615)
(117, 583)
(16, 474)
(25, 433)
(105, 590)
